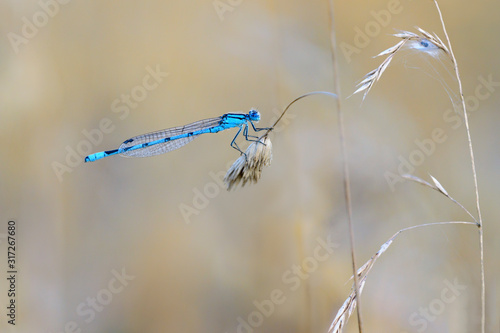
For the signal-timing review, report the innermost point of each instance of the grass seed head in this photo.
(248, 167)
(425, 42)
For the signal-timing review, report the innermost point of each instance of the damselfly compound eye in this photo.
(254, 115)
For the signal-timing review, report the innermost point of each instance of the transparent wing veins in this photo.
(165, 147)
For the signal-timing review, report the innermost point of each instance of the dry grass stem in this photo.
(426, 42)
(349, 305)
(248, 167)
(346, 310)
(345, 169)
(439, 188)
(474, 175)
(327, 93)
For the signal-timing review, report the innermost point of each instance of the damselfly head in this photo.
(254, 115)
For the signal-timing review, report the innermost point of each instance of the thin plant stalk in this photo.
(439, 188)
(471, 151)
(327, 93)
(347, 184)
(430, 224)
(347, 308)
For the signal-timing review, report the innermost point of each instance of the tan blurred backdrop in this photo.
(157, 245)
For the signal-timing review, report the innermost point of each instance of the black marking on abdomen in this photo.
(128, 141)
(110, 152)
(236, 115)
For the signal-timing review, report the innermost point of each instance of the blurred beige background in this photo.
(106, 247)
